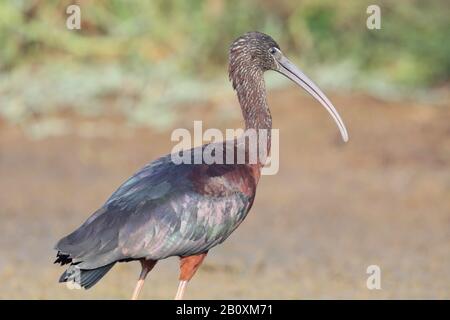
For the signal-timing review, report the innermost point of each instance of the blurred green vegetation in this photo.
(135, 56)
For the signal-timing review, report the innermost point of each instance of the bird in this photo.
(183, 210)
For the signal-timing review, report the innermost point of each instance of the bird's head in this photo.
(254, 53)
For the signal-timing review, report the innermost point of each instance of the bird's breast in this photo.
(223, 180)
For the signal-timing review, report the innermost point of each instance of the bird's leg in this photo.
(188, 267)
(147, 266)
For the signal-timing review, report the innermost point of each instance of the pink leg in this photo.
(147, 266)
(188, 267)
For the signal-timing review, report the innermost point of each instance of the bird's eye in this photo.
(272, 50)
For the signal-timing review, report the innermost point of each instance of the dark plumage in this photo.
(163, 210)
(168, 209)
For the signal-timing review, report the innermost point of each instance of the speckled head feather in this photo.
(251, 50)
(249, 58)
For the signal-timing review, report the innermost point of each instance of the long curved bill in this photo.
(288, 69)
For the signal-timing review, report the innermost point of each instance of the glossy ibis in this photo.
(184, 210)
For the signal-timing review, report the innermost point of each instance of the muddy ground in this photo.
(332, 210)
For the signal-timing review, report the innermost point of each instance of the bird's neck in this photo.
(251, 91)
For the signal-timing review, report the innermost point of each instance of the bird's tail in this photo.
(83, 277)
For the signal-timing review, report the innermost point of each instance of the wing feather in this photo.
(163, 210)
